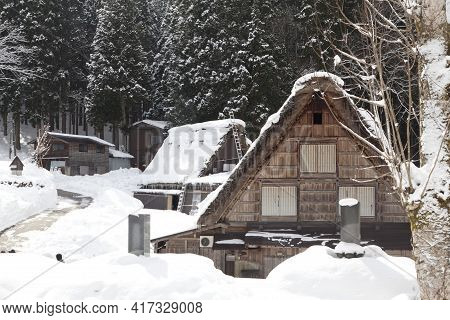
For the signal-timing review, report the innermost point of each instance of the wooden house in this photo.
(193, 161)
(283, 196)
(145, 139)
(16, 166)
(77, 154)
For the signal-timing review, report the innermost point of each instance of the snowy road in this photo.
(13, 237)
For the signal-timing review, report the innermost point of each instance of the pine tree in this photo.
(118, 73)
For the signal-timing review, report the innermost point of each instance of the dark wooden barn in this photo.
(145, 139)
(76, 154)
(283, 196)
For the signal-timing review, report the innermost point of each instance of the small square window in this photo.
(317, 118)
(100, 149)
(82, 147)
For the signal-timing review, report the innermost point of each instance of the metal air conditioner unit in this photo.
(206, 241)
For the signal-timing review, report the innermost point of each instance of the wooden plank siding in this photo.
(238, 208)
(318, 192)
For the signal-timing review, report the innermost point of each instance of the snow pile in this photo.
(344, 248)
(167, 222)
(24, 196)
(319, 273)
(316, 273)
(186, 151)
(348, 202)
(100, 228)
(125, 180)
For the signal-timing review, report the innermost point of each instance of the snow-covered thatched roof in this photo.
(187, 150)
(358, 123)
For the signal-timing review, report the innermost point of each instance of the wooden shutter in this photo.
(279, 201)
(365, 196)
(319, 158)
(288, 201)
(326, 158)
(269, 201)
(308, 158)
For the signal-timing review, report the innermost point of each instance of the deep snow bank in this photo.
(316, 273)
(24, 196)
(123, 179)
(98, 229)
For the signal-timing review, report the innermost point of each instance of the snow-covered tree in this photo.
(400, 68)
(219, 55)
(118, 72)
(13, 51)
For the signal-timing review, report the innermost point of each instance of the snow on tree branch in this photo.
(13, 50)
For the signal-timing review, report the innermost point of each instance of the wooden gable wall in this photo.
(317, 193)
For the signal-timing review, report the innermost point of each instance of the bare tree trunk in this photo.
(430, 220)
(125, 122)
(115, 135)
(63, 122)
(17, 130)
(5, 123)
(431, 240)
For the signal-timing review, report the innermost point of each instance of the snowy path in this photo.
(13, 237)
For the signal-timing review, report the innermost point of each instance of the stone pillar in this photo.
(350, 221)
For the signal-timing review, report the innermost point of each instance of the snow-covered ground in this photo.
(93, 242)
(314, 274)
(24, 196)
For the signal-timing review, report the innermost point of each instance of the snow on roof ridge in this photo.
(214, 124)
(120, 154)
(76, 136)
(300, 83)
(156, 123)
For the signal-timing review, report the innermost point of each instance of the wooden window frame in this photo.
(80, 148)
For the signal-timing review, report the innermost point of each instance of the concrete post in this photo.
(145, 220)
(350, 221)
(139, 234)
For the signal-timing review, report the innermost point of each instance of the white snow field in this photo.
(93, 242)
(314, 274)
(24, 196)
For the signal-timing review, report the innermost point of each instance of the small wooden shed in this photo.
(16, 166)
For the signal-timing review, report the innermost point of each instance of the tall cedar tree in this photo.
(118, 72)
(216, 56)
(57, 33)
